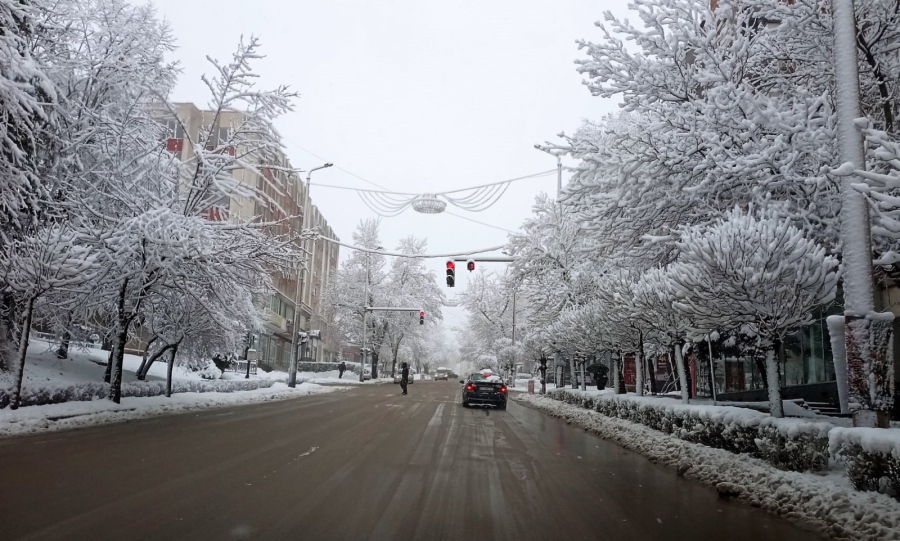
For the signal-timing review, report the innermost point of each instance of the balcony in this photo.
(275, 322)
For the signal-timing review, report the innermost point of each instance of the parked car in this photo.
(484, 388)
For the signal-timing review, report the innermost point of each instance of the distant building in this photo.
(273, 343)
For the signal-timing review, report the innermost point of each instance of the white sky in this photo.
(413, 95)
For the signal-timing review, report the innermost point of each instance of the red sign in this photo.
(630, 371)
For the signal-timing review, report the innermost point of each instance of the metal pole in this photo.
(298, 297)
(558, 175)
(362, 367)
(513, 376)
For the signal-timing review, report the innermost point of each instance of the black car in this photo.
(484, 388)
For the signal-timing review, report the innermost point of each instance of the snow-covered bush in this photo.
(794, 444)
(872, 456)
(786, 443)
(83, 392)
(207, 370)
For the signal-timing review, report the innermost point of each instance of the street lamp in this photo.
(292, 378)
(558, 154)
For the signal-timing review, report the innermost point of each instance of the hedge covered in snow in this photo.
(872, 455)
(39, 395)
(792, 444)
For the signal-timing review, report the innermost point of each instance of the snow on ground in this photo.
(824, 502)
(52, 417)
(87, 365)
(84, 365)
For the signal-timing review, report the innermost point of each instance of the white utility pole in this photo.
(867, 338)
(298, 297)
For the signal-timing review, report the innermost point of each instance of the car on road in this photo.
(398, 377)
(484, 388)
(442, 373)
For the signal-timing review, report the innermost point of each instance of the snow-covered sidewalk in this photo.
(825, 502)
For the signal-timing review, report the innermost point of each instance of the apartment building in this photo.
(273, 342)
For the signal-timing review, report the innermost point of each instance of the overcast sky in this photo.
(413, 95)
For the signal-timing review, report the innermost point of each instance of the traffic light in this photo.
(422, 317)
(451, 273)
(470, 265)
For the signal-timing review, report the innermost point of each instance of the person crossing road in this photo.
(404, 377)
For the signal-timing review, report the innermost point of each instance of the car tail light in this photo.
(470, 387)
(503, 388)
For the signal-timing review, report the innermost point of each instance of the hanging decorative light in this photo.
(428, 203)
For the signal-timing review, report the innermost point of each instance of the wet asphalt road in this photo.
(363, 464)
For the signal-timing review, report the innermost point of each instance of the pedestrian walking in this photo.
(404, 377)
(341, 368)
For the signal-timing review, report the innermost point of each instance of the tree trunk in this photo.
(574, 380)
(374, 368)
(682, 372)
(143, 369)
(394, 351)
(153, 358)
(23, 352)
(169, 370)
(107, 375)
(649, 365)
(618, 380)
(115, 391)
(63, 351)
(776, 407)
(583, 379)
(115, 367)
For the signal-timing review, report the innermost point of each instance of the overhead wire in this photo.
(479, 222)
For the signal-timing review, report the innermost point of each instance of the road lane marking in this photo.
(436, 418)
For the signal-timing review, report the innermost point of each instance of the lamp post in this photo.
(558, 155)
(292, 378)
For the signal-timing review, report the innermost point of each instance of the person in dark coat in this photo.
(341, 368)
(404, 377)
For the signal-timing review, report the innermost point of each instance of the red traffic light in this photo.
(451, 273)
(422, 314)
(422, 317)
(470, 265)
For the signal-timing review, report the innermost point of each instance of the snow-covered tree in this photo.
(755, 272)
(410, 284)
(27, 118)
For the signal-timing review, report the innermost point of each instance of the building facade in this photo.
(286, 189)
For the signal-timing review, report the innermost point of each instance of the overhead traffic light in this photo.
(451, 273)
(470, 265)
(422, 317)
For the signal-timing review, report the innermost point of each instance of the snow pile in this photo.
(872, 456)
(795, 444)
(821, 502)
